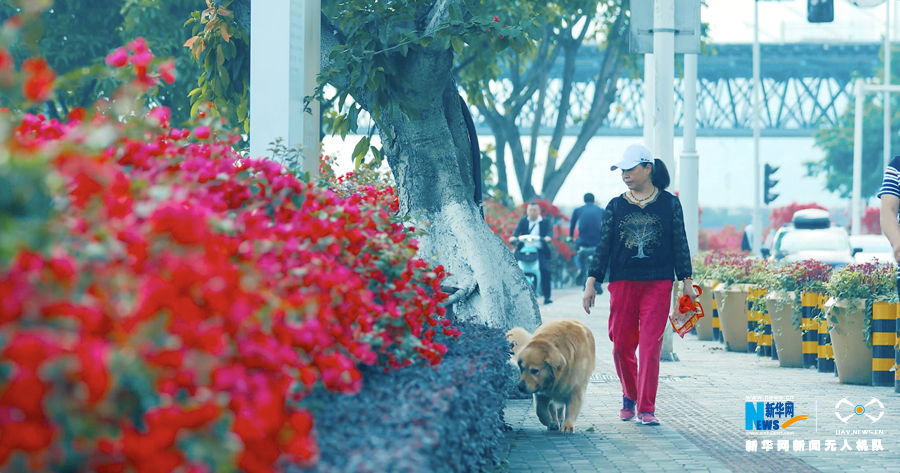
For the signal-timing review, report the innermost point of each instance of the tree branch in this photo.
(605, 90)
(536, 127)
(332, 37)
(571, 46)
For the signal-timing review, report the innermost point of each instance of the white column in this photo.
(689, 173)
(664, 57)
(887, 81)
(857, 158)
(664, 116)
(284, 63)
(757, 185)
(649, 99)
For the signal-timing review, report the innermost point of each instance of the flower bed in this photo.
(442, 419)
(179, 300)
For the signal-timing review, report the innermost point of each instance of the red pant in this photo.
(638, 316)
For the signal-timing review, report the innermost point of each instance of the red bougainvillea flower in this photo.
(162, 116)
(202, 132)
(6, 60)
(77, 114)
(497, 18)
(167, 72)
(38, 79)
(118, 58)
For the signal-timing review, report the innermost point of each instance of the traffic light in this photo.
(768, 184)
(820, 11)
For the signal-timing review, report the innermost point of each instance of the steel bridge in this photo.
(805, 86)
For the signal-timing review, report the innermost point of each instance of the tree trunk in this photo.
(502, 180)
(431, 161)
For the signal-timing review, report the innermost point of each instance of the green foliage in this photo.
(222, 48)
(377, 38)
(160, 23)
(837, 142)
(76, 35)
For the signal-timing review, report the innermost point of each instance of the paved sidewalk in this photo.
(701, 407)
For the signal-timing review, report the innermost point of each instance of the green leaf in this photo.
(359, 153)
(220, 55)
(455, 12)
(377, 153)
(223, 74)
(500, 44)
(426, 41)
(353, 118)
(457, 44)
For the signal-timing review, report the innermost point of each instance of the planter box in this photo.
(788, 338)
(704, 325)
(732, 303)
(851, 353)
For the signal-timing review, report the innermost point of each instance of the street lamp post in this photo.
(887, 81)
(757, 210)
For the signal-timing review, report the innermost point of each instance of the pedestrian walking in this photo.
(588, 220)
(890, 209)
(644, 245)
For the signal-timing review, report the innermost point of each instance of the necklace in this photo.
(645, 198)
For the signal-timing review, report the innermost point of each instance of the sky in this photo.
(731, 21)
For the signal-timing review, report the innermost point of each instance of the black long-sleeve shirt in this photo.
(643, 244)
(588, 219)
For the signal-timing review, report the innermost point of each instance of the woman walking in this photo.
(644, 245)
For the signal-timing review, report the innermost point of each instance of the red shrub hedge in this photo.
(186, 296)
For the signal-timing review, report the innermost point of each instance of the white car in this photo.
(869, 248)
(811, 236)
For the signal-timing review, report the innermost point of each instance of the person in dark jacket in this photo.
(588, 219)
(534, 224)
(644, 244)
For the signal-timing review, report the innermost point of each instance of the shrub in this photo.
(184, 297)
(725, 239)
(421, 419)
(873, 282)
(799, 277)
(871, 221)
(782, 215)
(730, 268)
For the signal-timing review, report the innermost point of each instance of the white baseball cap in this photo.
(633, 156)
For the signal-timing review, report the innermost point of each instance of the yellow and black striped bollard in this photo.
(810, 337)
(762, 317)
(897, 352)
(884, 334)
(826, 351)
(751, 321)
(717, 327)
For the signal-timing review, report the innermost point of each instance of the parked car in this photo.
(811, 236)
(872, 248)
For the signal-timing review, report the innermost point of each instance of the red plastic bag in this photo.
(686, 307)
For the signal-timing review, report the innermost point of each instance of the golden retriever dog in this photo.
(519, 337)
(556, 366)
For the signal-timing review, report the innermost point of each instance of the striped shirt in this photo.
(891, 186)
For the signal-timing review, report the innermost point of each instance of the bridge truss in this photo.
(805, 86)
